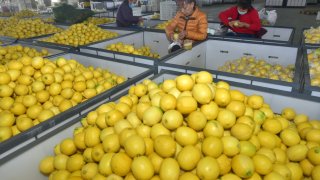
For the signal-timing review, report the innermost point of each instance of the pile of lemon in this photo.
(33, 90)
(130, 49)
(188, 128)
(98, 21)
(81, 34)
(312, 35)
(314, 66)
(15, 52)
(27, 28)
(251, 66)
(163, 25)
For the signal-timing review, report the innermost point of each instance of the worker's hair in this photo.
(191, 1)
(244, 4)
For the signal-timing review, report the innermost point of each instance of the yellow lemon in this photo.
(165, 146)
(222, 97)
(184, 83)
(142, 168)
(46, 165)
(121, 164)
(212, 146)
(188, 157)
(208, 168)
(186, 105)
(262, 164)
(255, 101)
(226, 118)
(243, 166)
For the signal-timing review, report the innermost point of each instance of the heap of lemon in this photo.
(130, 49)
(81, 34)
(27, 28)
(33, 90)
(163, 25)
(25, 14)
(312, 35)
(15, 52)
(251, 66)
(314, 66)
(188, 128)
(98, 21)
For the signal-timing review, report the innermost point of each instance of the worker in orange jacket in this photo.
(190, 22)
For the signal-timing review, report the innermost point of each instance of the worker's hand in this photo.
(182, 35)
(233, 24)
(244, 25)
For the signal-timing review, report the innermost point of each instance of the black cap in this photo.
(244, 4)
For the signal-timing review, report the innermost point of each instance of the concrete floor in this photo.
(288, 17)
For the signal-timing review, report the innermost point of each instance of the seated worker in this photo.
(125, 17)
(242, 19)
(190, 23)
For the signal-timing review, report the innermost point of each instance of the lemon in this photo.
(121, 164)
(296, 171)
(262, 164)
(172, 119)
(203, 77)
(169, 169)
(315, 172)
(4, 78)
(247, 148)
(152, 116)
(46, 165)
(290, 137)
(5, 90)
(142, 168)
(141, 108)
(196, 120)
(135, 146)
(125, 134)
(237, 95)
(230, 177)
(226, 118)
(168, 84)
(230, 146)
(29, 100)
(313, 135)
(45, 115)
(60, 162)
(259, 117)
(243, 166)
(241, 131)
(92, 136)
(306, 167)
(184, 83)
(7, 119)
(212, 146)
(79, 140)
(140, 90)
(188, 176)
(24, 123)
(255, 101)
(314, 155)
(156, 161)
(186, 136)
(123, 107)
(210, 110)
(300, 118)
(168, 102)
(186, 104)
(61, 174)
(283, 170)
(268, 112)
(272, 125)
(297, 152)
(222, 97)
(105, 164)
(267, 139)
(68, 147)
(288, 113)
(202, 93)
(149, 145)
(224, 164)
(273, 176)
(188, 157)
(268, 153)
(6, 103)
(89, 170)
(208, 168)
(97, 153)
(121, 125)
(213, 128)
(237, 107)
(165, 146)
(144, 131)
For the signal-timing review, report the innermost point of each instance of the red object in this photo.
(251, 17)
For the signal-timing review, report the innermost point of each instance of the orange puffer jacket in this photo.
(196, 27)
